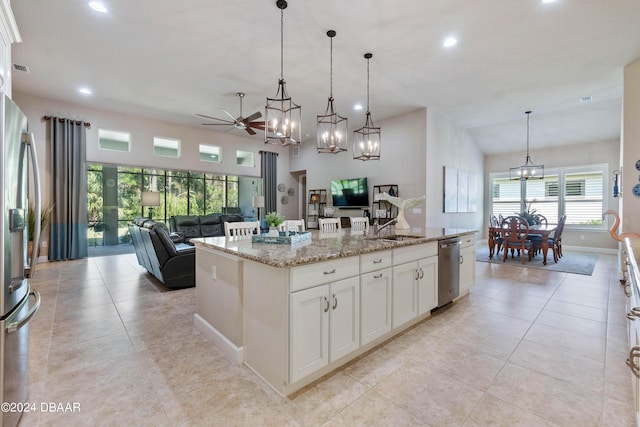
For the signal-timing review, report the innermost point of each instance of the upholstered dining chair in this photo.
(497, 236)
(359, 224)
(555, 242)
(536, 239)
(237, 229)
(329, 225)
(515, 231)
(291, 224)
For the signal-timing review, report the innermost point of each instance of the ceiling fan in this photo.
(242, 123)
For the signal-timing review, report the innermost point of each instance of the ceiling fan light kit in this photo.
(282, 115)
(332, 128)
(528, 170)
(366, 140)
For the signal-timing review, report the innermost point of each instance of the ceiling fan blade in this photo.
(252, 117)
(256, 125)
(229, 114)
(218, 124)
(215, 118)
(250, 131)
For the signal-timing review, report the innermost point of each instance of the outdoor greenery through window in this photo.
(577, 192)
(114, 197)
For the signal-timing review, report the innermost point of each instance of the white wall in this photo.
(571, 155)
(415, 148)
(142, 131)
(450, 145)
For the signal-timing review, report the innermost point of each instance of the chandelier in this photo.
(528, 170)
(282, 115)
(366, 140)
(332, 128)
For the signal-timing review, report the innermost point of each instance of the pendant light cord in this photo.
(281, 44)
(367, 85)
(331, 67)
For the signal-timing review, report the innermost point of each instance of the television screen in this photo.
(350, 192)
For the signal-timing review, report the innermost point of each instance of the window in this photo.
(210, 153)
(166, 147)
(245, 158)
(577, 192)
(113, 140)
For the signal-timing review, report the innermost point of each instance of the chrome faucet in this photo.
(378, 228)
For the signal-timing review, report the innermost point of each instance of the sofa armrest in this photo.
(177, 237)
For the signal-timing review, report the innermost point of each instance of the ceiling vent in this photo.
(22, 68)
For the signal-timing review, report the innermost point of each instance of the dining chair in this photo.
(236, 229)
(329, 225)
(497, 236)
(359, 224)
(292, 224)
(536, 239)
(555, 242)
(515, 231)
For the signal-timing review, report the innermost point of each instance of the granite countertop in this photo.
(324, 247)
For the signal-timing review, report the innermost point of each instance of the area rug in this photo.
(571, 262)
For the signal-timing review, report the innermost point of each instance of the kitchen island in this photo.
(295, 313)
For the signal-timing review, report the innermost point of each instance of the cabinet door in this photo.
(375, 305)
(344, 317)
(309, 329)
(427, 284)
(404, 296)
(467, 268)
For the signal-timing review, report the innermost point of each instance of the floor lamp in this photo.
(150, 199)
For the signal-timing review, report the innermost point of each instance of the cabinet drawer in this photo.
(311, 275)
(375, 261)
(467, 241)
(414, 252)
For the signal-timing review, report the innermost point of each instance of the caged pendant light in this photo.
(332, 128)
(282, 115)
(528, 170)
(366, 140)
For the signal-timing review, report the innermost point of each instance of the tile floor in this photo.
(526, 348)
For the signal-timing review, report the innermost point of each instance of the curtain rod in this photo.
(271, 152)
(86, 124)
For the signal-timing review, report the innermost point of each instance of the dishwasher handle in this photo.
(449, 245)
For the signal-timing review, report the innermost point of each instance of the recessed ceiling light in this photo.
(449, 42)
(357, 107)
(85, 91)
(98, 6)
(547, 1)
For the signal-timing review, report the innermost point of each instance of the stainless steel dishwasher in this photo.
(448, 270)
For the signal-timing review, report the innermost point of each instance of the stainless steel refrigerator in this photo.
(18, 301)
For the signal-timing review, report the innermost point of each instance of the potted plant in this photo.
(45, 214)
(274, 219)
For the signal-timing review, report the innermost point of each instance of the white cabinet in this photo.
(415, 289)
(375, 304)
(467, 263)
(427, 284)
(324, 325)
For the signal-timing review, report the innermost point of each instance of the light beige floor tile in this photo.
(425, 393)
(494, 412)
(573, 324)
(554, 400)
(374, 410)
(572, 309)
(617, 413)
(518, 311)
(571, 342)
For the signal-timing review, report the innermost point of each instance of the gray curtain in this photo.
(68, 189)
(269, 165)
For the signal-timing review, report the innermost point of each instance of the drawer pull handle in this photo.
(377, 261)
(631, 316)
(377, 276)
(330, 272)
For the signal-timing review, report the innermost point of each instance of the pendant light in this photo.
(282, 115)
(528, 170)
(332, 128)
(366, 140)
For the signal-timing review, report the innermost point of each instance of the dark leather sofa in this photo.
(192, 226)
(163, 254)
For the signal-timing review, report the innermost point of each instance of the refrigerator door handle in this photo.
(28, 140)
(14, 326)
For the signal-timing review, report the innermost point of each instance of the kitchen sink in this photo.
(394, 238)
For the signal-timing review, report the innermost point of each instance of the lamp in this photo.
(150, 199)
(282, 115)
(258, 202)
(366, 140)
(527, 170)
(332, 128)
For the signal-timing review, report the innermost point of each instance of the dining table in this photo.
(541, 230)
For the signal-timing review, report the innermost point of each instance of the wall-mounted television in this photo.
(350, 193)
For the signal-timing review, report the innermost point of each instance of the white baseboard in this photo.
(234, 353)
(603, 251)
